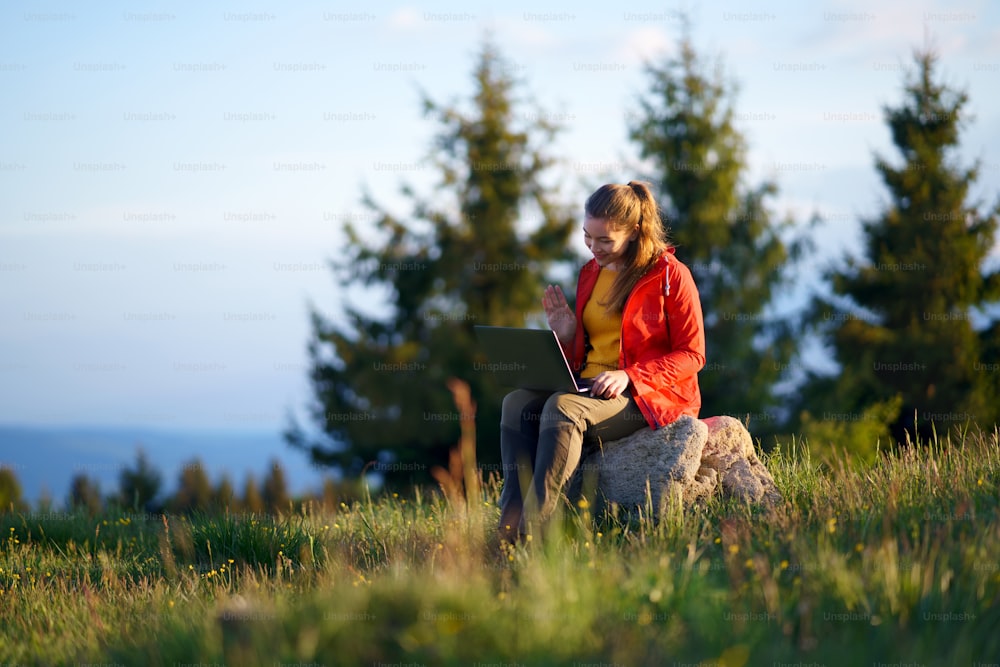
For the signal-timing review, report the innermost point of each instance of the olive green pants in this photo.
(541, 442)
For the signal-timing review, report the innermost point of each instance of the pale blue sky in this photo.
(173, 176)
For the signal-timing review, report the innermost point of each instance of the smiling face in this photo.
(605, 242)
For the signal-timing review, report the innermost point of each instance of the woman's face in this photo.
(608, 245)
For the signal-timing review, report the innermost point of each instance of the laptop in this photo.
(527, 359)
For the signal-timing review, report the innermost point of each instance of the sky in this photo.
(175, 176)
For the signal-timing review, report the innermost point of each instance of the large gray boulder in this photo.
(688, 460)
(730, 453)
(668, 459)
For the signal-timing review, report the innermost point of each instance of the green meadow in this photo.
(893, 563)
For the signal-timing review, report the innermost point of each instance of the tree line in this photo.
(908, 323)
(140, 489)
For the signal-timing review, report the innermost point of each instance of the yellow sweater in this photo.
(603, 328)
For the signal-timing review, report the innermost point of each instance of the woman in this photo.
(637, 334)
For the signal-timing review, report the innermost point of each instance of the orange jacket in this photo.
(662, 340)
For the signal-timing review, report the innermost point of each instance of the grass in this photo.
(898, 562)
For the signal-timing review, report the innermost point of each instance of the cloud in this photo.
(899, 26)
(645, 44)
(536, 36)
(405, 19)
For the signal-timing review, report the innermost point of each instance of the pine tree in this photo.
(10, 492)
(722, 230)
(900, 320)
(194, 490)
(474, 251)
(85, 493)
(253, 502)
(275, 494)
(138, 486)
(224, 496)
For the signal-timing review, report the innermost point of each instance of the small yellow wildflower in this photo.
(831, 525)
(734, 549)
(784, 565)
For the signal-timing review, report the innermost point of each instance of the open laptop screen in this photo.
(527, 359)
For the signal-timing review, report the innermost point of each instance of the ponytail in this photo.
(630, 208)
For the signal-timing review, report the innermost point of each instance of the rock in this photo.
(667, 457)
(703, 486)
(728, 440)
(730, 452)
(689, 459)
(741, 483)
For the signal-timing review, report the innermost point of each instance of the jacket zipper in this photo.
(621, 344)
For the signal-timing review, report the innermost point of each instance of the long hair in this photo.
(630, 207)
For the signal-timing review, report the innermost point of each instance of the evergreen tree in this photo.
(194, 490)
(10, 492)
(44, 501)
(900, 318)
(275, 494)
(723, 231)
(138, 486)
(224, 496)
(85, 493)
(253, 502)
(474, 251)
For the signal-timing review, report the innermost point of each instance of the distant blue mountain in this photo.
(45, 459)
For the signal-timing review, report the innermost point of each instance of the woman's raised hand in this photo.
(561, 319)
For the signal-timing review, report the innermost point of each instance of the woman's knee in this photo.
(513, 407)
(563, 407)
